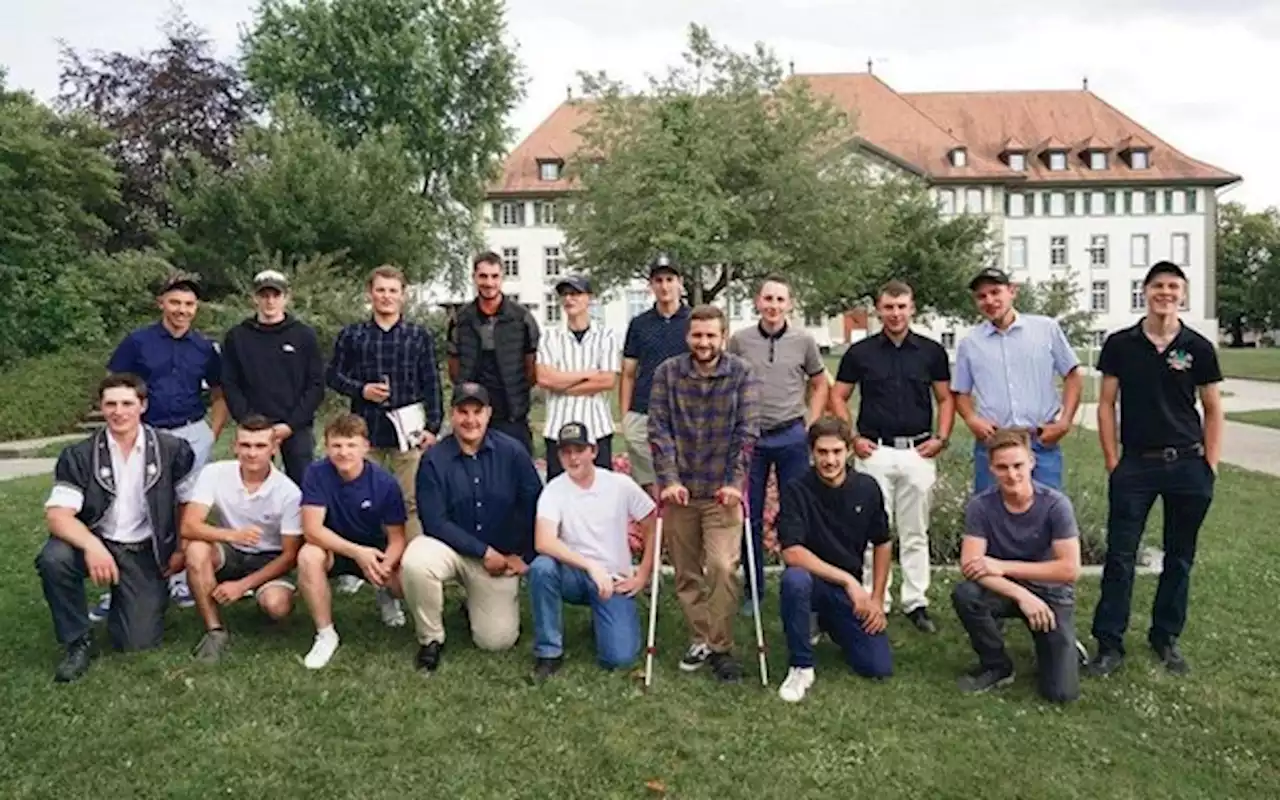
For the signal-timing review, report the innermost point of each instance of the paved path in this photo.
(25, 448)
(22, 467)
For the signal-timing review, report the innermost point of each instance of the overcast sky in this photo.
(1200, 74)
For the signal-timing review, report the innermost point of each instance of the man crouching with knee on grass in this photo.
(1021, 556)
(258, 541)
(826, 519)
(353, 518)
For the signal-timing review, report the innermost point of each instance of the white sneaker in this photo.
(390, 608)
(349, 584)
(798, 681)
(321, 651)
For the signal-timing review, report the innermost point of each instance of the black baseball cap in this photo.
(574, 433)
(663, 263)
(989, 275)
(270, 279)
(1163, 268)
(179, 280)
(469, 392)
(574, 283)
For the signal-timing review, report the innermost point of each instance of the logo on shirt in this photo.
(1179, 360)
(857, 509)
(366, 504)
(288, 348)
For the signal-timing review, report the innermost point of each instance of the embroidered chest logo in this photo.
(288, 348)
(366, 504)
(1179, 360)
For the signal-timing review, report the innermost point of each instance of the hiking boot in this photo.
(211, 646)
(725, 668)
(983, 679)
(920, 618)
(695, 657)
(1171, 657)
(1106, 662)
(428, 659)
(76, 661)
(544, 668)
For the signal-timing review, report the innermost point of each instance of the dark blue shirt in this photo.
(173, 368)
(652, 339)
(473, 502)
(355, 510)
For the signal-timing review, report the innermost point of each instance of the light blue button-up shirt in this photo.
(1012, 371)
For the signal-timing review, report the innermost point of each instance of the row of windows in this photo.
(1108, 202)
(552, 261)
(1100, 297)
(511, 213)
(1099, 251)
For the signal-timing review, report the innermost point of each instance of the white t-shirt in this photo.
(275, 507)
(593, 522)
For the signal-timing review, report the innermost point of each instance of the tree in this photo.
(738, 172)
(1248, 255)
(294, 192)
(437, 70)
(162, 108)
(1058, 297)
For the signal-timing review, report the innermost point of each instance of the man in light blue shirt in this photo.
(1010, 363)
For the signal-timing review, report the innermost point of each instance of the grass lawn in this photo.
(1258, 363)
(259, 725)
(1269, 417)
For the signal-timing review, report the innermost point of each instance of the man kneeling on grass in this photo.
(1021, 555)
(353, 518)
(581, 534)
(826, 519)
(257, 543)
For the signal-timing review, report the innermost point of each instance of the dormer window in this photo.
(1097, 160)
(1018, 162)
(959, 157)
(1057, 160)
(1138, 159)
(549, 170)
(1137, 151)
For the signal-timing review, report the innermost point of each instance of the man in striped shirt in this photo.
(577, 367)
(702, 425)
(1011, 363)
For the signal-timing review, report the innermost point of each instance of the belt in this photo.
(785, 426)
(132, 547)
(901, 442)
(181, 424)
(1170, 454)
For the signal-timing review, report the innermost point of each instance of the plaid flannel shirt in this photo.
(702, 427)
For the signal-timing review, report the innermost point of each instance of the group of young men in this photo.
(706, 418)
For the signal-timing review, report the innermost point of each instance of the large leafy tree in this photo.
(439, 71)
(1248, 255)
(162, 107)
(739, 171)
(1060, 298)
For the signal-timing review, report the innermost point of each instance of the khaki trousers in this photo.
(704, 539)
(405, 467)
(493, 604)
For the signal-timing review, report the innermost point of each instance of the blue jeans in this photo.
(802, 593)
(788, 451)
(616, 621)
(1048, 469)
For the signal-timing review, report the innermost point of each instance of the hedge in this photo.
(49, 394)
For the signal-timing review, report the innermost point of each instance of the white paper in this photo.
(410, 423)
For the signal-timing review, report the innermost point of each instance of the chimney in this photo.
(792, 65)
(568, 91)
(869, 69)
(1086, 83)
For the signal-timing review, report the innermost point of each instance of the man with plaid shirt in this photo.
(383, 364)
(702, 424)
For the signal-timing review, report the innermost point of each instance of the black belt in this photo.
(1169, 454)
(786, 426)
(182, 424)
(901, 442)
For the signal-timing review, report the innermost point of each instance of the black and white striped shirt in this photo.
(598, 351)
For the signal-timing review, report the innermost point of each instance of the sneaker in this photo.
(211, 646)
(1082, 654)
(983, 679)
(428, 659)
(349, 584)
(99, 612)
(725, 667)
(544, 668)
(180, 593)
(75, 663)
(695, 657)
(1171, 657)
(798, 681)
(322, 650)
(920, 618)
(390, 609)
(1107, 662)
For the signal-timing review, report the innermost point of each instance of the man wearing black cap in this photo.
(1157, 367)
(578, 367)
(1011, 362)
(271, 365)
(652, 337)
(477, 491)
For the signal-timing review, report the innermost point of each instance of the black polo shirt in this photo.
(1158, 387)
(896, 383)
(835, 523)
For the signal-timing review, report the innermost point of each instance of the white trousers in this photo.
(906, 479)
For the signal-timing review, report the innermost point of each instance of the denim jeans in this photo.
(1048, 469)
(615, 621)
(788, 452)
(802, 593)
(1186, 486)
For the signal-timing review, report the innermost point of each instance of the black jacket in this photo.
(273, 370)
(86, 466)
(515, 336)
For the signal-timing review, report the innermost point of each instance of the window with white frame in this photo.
(1098, 251)
(1057, 204)
(552, 313)
(510, 262)
(1057, 251)
(1097, 160)
(552, 261)
(1099, 338)
(1097, 203)
(544, 213)
(1137, 298)
(1017, 204)
(1057, 161)
(959, 157)
(637, 302)
(549, 170)
(1139, 159)
(1099, 296)
(949, 340)
(1017, 252)
(509, 214)
(1180, 249)
(946, 201)
(1139, 249)
(973, 201)
(1193, 197)
(1017, 163)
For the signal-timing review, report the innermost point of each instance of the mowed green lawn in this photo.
(1258, 363)
(260, 725)
(1269, 417)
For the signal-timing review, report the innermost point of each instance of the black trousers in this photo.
(604, 455)
(138, 601)
(517, 429)
(1057, 662)
(297, 452)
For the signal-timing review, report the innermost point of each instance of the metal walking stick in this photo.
(650, 649)
(755, 595)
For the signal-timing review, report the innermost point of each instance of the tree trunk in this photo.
(1237, 332)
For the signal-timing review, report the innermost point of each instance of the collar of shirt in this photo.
(989, 328)
(399, 323)
(453, 448)
(264, 489)
(907, 341)
(117, 453)
(681, 312)
(775, 336)
(160, 330)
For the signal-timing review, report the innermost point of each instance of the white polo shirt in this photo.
(275, 507)
(593, 522)
(598, 351)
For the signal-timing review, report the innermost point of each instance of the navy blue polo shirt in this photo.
(356, 510)
(474, 502)
(173, 368)
(652, 339)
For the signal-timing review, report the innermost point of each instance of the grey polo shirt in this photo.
(782, 364)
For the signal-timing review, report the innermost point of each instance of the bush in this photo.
(49, 394)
